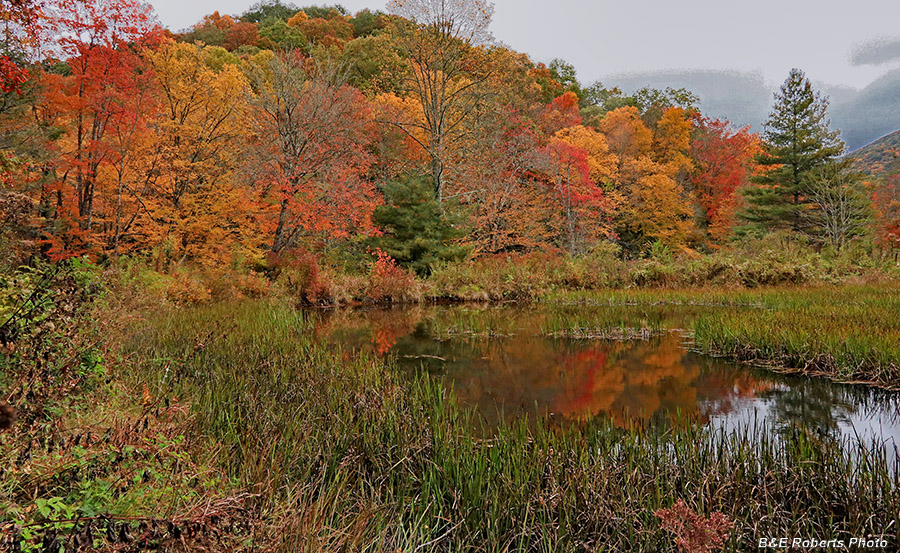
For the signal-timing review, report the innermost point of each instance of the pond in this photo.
(576, 362)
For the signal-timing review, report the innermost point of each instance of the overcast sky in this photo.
(604, 38)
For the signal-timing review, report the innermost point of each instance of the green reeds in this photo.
(346, 454)
(849, 334)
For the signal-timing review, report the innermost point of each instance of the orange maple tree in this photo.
(886, 198)
(96, 41)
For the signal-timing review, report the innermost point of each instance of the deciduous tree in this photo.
(655, 206)
(23, 22)
(602, 164)
(504, 188)
(448, 64)
(843, 206)
(656, 209)
(269, 9)
(887, 210)
(723, 163)
(584, 208)
(672, 141)
(96, 39)
(197, 210)
(626, 134)
(311, 134)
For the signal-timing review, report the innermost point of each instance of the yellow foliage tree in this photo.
(672, 141)
(197, 210)
(602, 164)
(298, 19)
(626, 134)
(656, 208)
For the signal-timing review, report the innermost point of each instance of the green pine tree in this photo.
(798, 141)
(416, 233)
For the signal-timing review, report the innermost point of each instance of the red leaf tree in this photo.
(311, 139)
(96, 40)
(723, 159)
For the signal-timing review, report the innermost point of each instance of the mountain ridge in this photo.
(879, 158)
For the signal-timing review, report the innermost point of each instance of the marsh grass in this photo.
(620, 322)
(343, 453)
(849, 334)
(481, 321)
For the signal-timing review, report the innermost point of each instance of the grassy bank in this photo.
(772, 261)
(303, 449)
(308, 280)
(228, 427)
(848, 333)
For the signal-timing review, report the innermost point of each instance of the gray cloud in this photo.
(876, 52)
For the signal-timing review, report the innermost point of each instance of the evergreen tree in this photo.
(415, 231)
(798, 141)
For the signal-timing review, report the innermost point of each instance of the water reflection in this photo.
(505, 363)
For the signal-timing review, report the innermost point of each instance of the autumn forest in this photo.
(248, 139)
(301, 279)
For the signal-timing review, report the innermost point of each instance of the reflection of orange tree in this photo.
(578, 380)
(375, 330)
(658, 377)
(748, 387)
(728, 387)
(637, 380)
(388, 326)
(592, 386)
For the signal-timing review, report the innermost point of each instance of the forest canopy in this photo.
(294, 129)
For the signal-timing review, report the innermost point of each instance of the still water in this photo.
(579, 362)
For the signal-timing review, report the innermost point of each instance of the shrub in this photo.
(602, 267)
(694, 533)
(388, 282)
(187, 288)
(300, 274)
(229, 284)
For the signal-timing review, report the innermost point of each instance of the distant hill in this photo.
(746, 99)
(880, 158)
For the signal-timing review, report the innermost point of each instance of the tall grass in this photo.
(345, 454)
(775, 260)
(847, 333)
(851, 334)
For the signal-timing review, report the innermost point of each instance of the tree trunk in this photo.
(437, 176)
(118, 217)
(278, 243)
